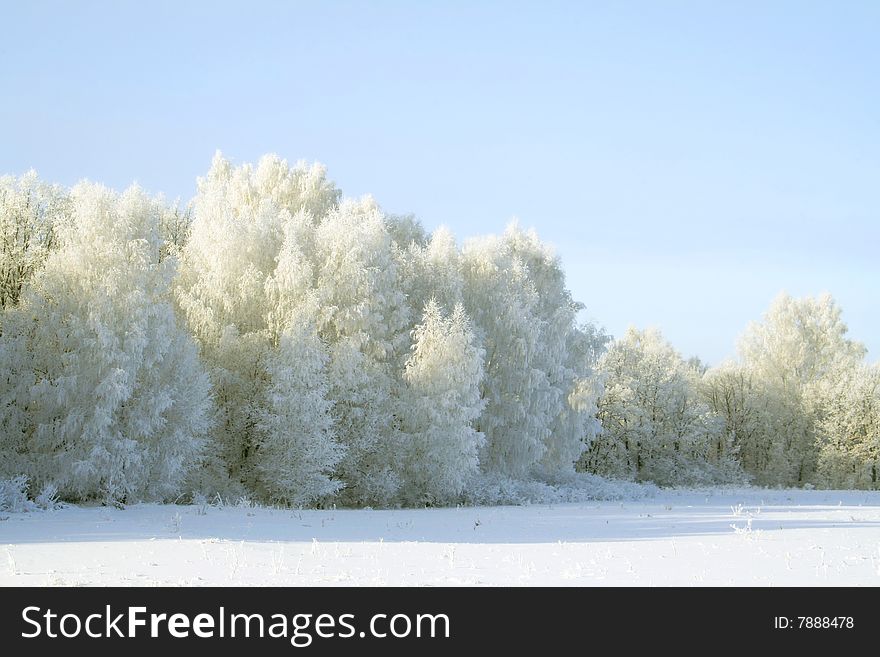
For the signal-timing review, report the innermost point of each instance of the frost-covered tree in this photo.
(577, 425)
(443, 374)
(245, 275)
(406, 230)
(102, 393)
(361, 390)
(794, 356)
(800, 341)
(500, 299)
(298, 451)
(849, 429)
(655, 426)
(761, 419)
(433, 270)
(31, 214)
(524, 318)
(174, 226)
(240, 220)
(364, 317)
(736, 397)
(360, 294)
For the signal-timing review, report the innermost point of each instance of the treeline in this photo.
(799, 407)
(275, 340)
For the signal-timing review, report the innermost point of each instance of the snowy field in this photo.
(715, 537)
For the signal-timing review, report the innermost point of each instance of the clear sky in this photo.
(689, 160)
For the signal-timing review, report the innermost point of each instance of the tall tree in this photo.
(443, 374)
(363, 315)
(103, 393)
(298, 451)
(247, 277)
(525, 319)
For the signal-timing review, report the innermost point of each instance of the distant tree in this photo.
(655, 426)
(849, 429)
(794, 356)
(800, 341)
(746, 410)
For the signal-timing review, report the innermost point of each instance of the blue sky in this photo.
(689, 160)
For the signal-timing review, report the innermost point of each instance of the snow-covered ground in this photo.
(714, 537)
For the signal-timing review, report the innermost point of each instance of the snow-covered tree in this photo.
(794, 356)
(524, 318)
(761, 420)
(31, 214)
(800, 341)
(102, 393)
(565, 356)
(174, 226)
(237, 232)
(361, 390)
(443, 374)
(849, 430)
(360, 295)
(577, 424)
(499, 299)
(298, 452)
(406, 230)
(245, 276)
(364, 317)
(655, 426)
(433, 270)
(735, 396)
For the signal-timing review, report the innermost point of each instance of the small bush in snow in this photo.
(48, 498)
(13, 495)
